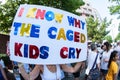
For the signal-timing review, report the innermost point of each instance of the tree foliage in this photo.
(92, 28)
(96, 30)
(108, 38)
(8, 10)
(115, 9)
(118, 37)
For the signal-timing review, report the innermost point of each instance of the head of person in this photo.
(89, 46)
(106, 46)
(118, 43)
(102, 47)
(93, 47)
(113, 57)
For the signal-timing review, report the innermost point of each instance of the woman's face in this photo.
(104, 47)
(116, 57)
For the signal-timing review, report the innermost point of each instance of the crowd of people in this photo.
(106, 60)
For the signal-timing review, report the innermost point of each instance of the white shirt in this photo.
(106, 55)
(91, 59)
(47, 75)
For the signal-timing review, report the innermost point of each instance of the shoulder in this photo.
(114, 67)
(39, 67)
(114, 64)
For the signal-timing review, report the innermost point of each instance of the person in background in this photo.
(101, 53)
(112, 66)
(91, 59)
(2, 72)
(117, 48)
(104, 60)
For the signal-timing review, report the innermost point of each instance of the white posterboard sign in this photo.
(46, 35)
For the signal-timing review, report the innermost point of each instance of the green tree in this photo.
(108, 38)
(115, 9)
(92, 28)
(117, 37)
(96, 30)
(103, 26)
(8, 10)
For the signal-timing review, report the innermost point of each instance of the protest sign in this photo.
(46, 35)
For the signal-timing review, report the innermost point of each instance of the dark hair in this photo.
(107, 44)
(93, 46)
(102, 47)
(113, 54)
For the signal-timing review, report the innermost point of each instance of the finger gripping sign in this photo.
(45, 35)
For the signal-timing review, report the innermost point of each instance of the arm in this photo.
(71, 69)
(115, 76)
(98, 62)
(3, 72)
(83, 65)
(98, 65)
(35, 72)
(106, 60)
(23, 72)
